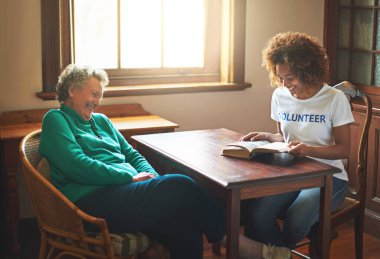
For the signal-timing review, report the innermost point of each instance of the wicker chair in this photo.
(61, 222)
(354, 203)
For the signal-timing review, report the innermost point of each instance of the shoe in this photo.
(273, 252)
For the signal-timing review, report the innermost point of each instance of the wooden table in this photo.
(198, 154)
(129, 119)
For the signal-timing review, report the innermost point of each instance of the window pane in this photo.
(342, 65)
(140, 33)
(361, 68)
(184, 33)
(95, 33)
(377, 71)
(344, 2)
(363, 29)
(344, 28)
(365, 2)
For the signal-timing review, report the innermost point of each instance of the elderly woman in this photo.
(95, 167)
(314, 119)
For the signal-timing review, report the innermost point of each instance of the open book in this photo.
(246, 149)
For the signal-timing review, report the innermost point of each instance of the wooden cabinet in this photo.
(372, 212)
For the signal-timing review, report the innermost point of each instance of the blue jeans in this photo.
(171, 209)
(299, 211)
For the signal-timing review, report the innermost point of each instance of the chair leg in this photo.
(359, 228)
(51, 252)
(43, 246)
(314, 245)
(313, 250)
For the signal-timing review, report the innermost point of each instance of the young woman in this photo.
(314, 119)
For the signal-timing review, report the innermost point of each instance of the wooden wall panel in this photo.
(372, 213)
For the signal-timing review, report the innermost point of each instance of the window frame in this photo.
(56, 54)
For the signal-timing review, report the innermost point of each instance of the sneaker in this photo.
(273, 252)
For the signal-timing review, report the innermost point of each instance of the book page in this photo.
(261, 146)
(277, 146)
(249, 145)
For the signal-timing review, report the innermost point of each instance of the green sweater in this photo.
(80, 161)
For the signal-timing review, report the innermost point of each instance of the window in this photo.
(353, 42)
(172, 46)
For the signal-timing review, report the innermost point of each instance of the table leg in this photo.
(233, 224)
(325, 217)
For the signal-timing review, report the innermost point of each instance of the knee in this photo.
(178, 184)
(178, 180)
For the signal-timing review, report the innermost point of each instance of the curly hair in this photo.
(303, 54)
(76, 77)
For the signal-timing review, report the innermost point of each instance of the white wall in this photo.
(20, 49)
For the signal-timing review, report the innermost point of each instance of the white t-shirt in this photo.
(311, 121)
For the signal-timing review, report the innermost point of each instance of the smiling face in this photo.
(292, 82)
(86, 99)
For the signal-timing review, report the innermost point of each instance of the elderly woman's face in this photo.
(86, 99)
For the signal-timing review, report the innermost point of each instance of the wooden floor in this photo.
(342, 248)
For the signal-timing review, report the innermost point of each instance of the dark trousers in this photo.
(171, 209)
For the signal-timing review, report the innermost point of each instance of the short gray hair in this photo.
(76, 76)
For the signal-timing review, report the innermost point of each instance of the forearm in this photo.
(339, 150)
(133, 157)
(82, 169)
(324, 152)
(275, 137)
(140, 163)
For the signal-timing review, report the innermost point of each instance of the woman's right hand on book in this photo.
(255, 136)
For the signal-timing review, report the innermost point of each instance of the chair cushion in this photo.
(127, 243)
(44, 168)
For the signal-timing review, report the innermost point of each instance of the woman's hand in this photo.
(142, 177)
(254, 136)
(339, 150)
(298, 149)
